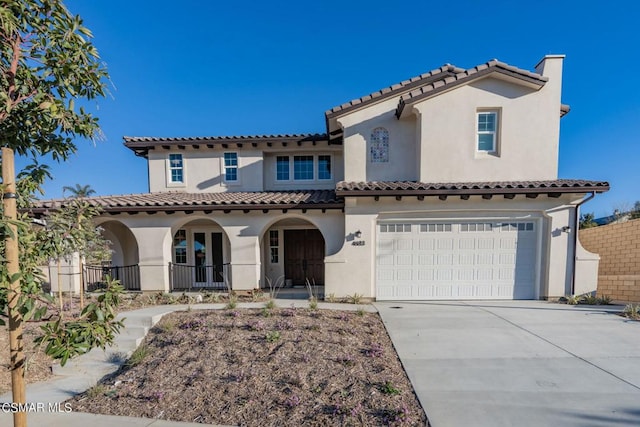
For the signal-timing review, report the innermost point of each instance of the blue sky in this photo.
(204, 68)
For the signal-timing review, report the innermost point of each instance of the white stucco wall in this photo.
(358, 127)
(203, 170)
(436, 140)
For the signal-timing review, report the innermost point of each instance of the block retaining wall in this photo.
(619, 248)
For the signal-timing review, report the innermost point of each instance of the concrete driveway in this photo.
(519, 363)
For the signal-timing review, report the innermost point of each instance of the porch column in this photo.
(245, 259)
(154, 257)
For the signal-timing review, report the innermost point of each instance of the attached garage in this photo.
(466, 260)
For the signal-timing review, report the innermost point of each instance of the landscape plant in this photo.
(47, 64)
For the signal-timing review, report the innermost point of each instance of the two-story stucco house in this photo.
(443, 186)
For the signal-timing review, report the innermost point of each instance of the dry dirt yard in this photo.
(269, 367)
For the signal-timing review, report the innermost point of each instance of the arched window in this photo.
(379, 145)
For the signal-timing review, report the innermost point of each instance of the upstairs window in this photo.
(487, 131)
(176, 171)
(324, 167)
(230, 167)
(303, 167)
(282, 168)
(379, 149)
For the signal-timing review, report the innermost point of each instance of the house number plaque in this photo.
(358, 243)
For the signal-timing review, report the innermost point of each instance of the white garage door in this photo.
(456, 260)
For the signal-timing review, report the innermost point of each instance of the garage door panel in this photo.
(404, 259)
(426, 244)
(444, 259)
(484, 274)
(404, 244)
(466, 275)
(425, 275)
(386, 259)
(457, 261)
(466, 258)
(385, 245)
(404, 274)
(508, 243)
(507, 259)
(467, 243)
(425, 259)
(485, 243)
(484, 259)
(443, 275)
(445, 244)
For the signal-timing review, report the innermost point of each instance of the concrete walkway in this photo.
(82, 373)
(519, 363)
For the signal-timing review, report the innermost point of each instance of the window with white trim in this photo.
(231, 167)
(487, 131)
(303, 167)
(324, 167)
(282, 168)
(273, 246)
(180, 247)
(176, 170)
(379, 147)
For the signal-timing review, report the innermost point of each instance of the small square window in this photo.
(303, 167)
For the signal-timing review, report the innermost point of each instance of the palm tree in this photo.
(79, 191)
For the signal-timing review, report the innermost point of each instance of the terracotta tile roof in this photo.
(145, 140)
(435, 74)
(425, 91)
(142, 144)
(392, 188)
(175, 201)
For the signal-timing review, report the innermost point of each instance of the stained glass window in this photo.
(380, 145)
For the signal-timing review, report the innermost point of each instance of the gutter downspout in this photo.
(576, 225)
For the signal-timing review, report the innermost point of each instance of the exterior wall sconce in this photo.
(566, 229)
(358, 234)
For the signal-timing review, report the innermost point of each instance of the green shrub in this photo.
(604, 300)
(272, 336)
(138, 355)
(389, 389)
(632, 311)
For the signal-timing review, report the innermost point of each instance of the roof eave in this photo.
(201, 208)
(473, 191)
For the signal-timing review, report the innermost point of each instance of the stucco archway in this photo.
(292, 250)
(200, 255)
(125, 257)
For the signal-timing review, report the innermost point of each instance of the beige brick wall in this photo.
(619, 248)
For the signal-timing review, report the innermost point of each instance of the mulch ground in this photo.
(270, 367)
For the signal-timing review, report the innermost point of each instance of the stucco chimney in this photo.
(551, 66)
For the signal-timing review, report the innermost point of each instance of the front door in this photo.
(304, 256)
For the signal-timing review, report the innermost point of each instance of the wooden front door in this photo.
(304, 256)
